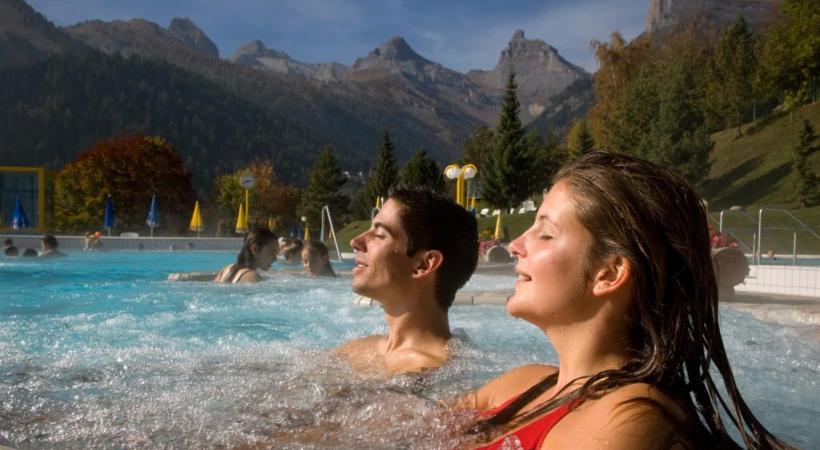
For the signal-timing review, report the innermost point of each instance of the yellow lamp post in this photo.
(306, 236)
(460, 174)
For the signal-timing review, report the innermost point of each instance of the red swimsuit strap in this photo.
(532, 435)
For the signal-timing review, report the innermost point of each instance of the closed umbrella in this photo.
(499, 232)
(108, 218)
(241, 220)
(196, 220)
(153, 215)
(19, 219)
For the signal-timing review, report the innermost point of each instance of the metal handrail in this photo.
(757, 256)
(743, 212)
(323, 233)
(737, 210)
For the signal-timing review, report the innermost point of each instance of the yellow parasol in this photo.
(196, 220)
(241, 220)
(378, 202)
(270, 223)
(499, 232)
(307, 233)
(472, 202)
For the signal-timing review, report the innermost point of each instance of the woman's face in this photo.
(266, 255)
(314, 263)
(552, 285)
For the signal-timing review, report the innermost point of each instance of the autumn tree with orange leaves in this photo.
(131, 169)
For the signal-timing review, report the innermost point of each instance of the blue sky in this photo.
(460, 34)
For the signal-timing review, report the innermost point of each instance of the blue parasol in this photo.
(108, 219)
(19, 219)
(153, 215)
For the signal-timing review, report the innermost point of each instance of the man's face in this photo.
(382, 266)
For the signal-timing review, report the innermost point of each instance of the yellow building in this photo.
(35, 188)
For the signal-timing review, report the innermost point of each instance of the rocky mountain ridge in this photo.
(665, 15)
(422, 103)
(26, 36)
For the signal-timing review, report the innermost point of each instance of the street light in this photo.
(461, 173)
(306, 236)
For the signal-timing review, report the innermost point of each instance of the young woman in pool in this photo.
(316, 261)
(258, 252)
(616, 271)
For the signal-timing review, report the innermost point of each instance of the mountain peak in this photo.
(394, 54)
(252, 52)
(396, 48)
(518, 35)
(186, 31)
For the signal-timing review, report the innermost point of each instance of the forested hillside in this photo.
(54, 108)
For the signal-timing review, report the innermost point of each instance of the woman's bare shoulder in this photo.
(510, 384)
(633, 416)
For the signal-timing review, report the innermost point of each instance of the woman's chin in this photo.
(514, 307)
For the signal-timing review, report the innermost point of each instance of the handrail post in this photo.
(326, 211)
(759, 234)
(794, 249)
(754, 248)
(720, 224)
(323, 231)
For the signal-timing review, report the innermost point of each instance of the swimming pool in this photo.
(98, 350)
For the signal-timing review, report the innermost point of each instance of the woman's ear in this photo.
(612, 276)
(428, 262)
(254, 249)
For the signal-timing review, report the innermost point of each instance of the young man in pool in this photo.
(420, 249)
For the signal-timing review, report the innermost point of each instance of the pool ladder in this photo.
(327, 222)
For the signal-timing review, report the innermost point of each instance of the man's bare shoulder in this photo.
(414, 361)
(359, 345)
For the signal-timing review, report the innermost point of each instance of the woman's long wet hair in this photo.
(652, 217)
(246, 258)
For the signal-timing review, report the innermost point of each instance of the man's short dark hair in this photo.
(432, 221)
(50, 241)
(7, 242)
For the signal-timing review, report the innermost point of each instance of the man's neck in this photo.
(416, 326)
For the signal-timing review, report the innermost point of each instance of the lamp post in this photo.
(306, 235)
(461, 173)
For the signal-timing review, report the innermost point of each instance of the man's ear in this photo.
(254, 249)
(613, 275)
(427, 262)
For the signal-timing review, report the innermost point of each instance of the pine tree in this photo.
(791, 51)
(382, 178)
(731, 74)
(477, 147)
(506, 181)
(579, 139)
(678, 138)
(325, 181)
(808, 181)
(421, 170)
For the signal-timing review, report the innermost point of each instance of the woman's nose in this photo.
(517, 248)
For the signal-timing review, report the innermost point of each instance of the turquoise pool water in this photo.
(98, 350)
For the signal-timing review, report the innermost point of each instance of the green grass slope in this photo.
(754, 171)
